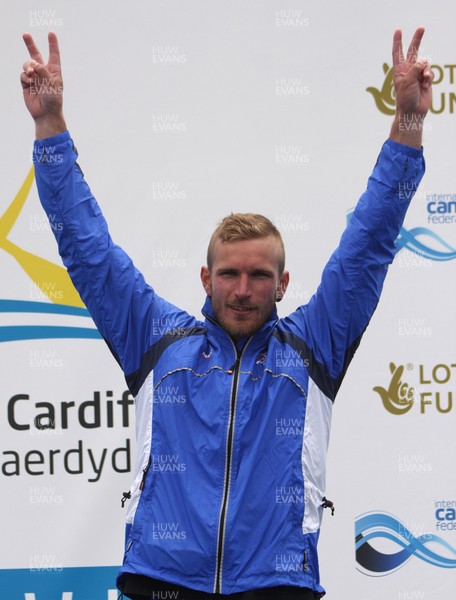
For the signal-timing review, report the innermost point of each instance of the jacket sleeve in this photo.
(335, 318)
(127, 312)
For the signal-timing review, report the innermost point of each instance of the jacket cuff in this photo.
(60, 138)
(407, 150)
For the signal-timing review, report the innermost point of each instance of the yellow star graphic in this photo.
(53, 280)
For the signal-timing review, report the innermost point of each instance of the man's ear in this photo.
(282, 286)
(206, 280)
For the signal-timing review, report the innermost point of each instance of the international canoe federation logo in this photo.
(375, 532)
(423, 242)
(50, 283)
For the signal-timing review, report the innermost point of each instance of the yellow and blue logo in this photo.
(52, 281)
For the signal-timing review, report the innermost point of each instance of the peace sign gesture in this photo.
(412, 76)
(413, 86)
(42, 85)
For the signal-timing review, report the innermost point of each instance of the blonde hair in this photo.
(244, 226)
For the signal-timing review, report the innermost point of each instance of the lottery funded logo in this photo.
(428, 388)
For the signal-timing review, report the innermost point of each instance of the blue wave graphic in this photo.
(409, 239)
(381, 525)
(13, 333)
(16, 333)
(42, 307)
(414, 239)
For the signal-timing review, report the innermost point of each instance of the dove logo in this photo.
(53, 292)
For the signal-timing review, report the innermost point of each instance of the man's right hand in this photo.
(413, 87)
(43, 88)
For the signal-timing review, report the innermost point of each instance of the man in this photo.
(242, 371)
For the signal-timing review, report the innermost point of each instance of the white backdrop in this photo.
(183, 112)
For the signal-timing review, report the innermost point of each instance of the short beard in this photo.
(236, 333)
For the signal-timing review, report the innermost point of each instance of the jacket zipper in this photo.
(143, 478)
(235, 370)
(127, 495)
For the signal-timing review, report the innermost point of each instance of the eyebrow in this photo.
(256, 271)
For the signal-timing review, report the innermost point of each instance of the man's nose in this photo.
(243, 286)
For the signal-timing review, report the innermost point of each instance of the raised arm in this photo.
(42, 85)
(337, 315)
(128, 313)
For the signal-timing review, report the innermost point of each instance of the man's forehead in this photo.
(265, 249)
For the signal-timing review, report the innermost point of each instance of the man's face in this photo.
(244, 283)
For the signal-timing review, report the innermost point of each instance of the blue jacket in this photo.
(230, 473)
